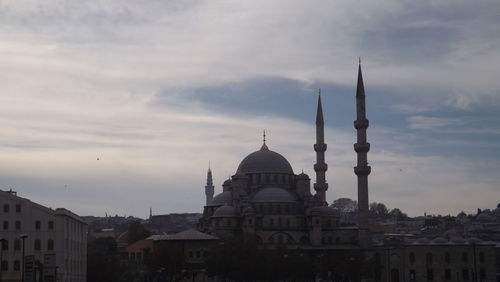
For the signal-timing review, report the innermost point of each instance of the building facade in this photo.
(55, 239)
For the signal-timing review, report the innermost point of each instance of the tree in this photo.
(345, 205)
(397, 213)
(378, 210)
(137, 231)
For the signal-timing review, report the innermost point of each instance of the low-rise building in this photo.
(54, 241)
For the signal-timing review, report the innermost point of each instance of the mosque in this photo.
(266, 198)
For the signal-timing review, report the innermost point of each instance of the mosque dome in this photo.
(273, 195)
(264, 161)
(225, 211)
(222, 199)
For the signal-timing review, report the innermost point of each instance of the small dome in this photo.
(302, 176)
(457, 240)
(440, 240)
(264, 161)
(273, 195)
(422, 240)
(222, 199)
(248, 211)
(225, 211)
(474, 240)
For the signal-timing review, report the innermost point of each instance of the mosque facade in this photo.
(267, 199)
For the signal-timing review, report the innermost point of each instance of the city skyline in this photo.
(104, 102)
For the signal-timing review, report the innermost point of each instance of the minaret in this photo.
(209, 188)
(320, 147)
(362, 169)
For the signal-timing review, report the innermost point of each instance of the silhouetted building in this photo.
(267, 199)
(56, 235)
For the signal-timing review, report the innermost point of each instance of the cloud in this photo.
(424, 122)
(157, 90)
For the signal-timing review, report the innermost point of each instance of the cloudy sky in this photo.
(155, 89)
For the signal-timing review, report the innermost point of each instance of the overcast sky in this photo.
(156, 89)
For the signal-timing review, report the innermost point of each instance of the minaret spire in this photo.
(209, 188)
(320, 147)
(362, 169)
(264, 146)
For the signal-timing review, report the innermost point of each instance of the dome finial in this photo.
(264, 146)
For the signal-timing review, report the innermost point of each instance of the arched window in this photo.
(5, 245)
(378, 260)
(428, 258)
(465, 257)
(280, 238)
(412, 258)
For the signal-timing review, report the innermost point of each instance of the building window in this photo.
(482, 274)
(447, 274)
(18, 225)
(18, 208)
(280, 239)
(17, 245)
(205, 254)
(5, 265)
(198, 254)
(38, 245)
(465, 257)
(412, 274)
(428, 258)
(430, 274)
(287, 222)
(5, 225)
(447, 258)
(412, 258)
(51, 225)
(6, 208)
(17, 265)
(481, 257)
(5, 245)
(271, 222)
(190, 254)
(50, 245)
(37, 225)
(465, 274)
